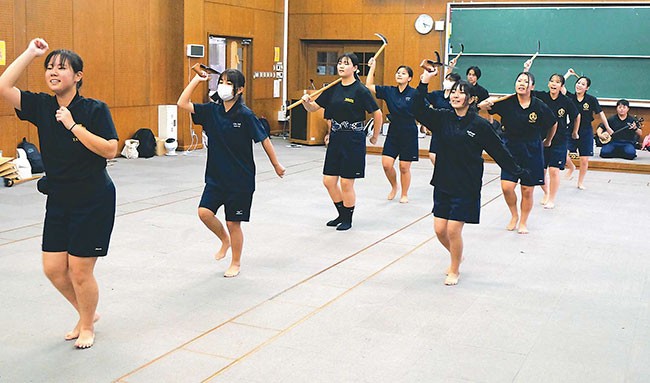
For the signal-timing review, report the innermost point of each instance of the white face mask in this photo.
(447, 84)
(225, 92)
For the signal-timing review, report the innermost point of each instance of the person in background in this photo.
(627, 132)
(402, 138)
(582, 140)
(346, 105)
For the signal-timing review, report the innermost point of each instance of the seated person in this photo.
(626, 134)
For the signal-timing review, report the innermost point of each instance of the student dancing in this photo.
(230, 169)
(525, 119)
(457, 176)
(346, 105)
(582, 140)
(76, 136)
(402, 138)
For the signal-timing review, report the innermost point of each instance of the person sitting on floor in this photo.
(627, 131)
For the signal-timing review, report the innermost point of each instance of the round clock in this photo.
(424, 24)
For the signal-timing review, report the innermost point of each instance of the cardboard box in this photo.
(160, 146)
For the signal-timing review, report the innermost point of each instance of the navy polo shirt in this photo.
(230, 166)
(437, 100)
(68, 163)
(399, 105)
(524, 124)
(347, 102)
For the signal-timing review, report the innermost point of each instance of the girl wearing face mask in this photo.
(457, 176)
(440, 99)
(582, 139)
(402, 139)
(346, 105)
(76, 136)
(230, 169)
(555, 155)
(525, 118)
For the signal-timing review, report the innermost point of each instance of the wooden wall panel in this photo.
(132, 71)
(8, 135)
(7, 35)
(166, 51)
(97, 52)
(218, 18)
(55, 26)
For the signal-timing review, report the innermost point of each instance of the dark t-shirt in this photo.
(461, 141)
(438, 100)
(347, 103)
(480, 92)
(72, 169)
(524, 124)
(621, 129)
(563, 108)
(230, 166)
(587, 108)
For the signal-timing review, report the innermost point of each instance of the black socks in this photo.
(346, 222)
(336, 221)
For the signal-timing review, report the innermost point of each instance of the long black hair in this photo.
(66, 57)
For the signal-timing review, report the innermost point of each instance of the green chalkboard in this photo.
(609, 44)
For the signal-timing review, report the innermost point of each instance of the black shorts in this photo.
(81, 229)
(346, 154)
(237, 204)
(461, 209)
(529, 155)
(583, 145)
(403, 146)
(555, 155)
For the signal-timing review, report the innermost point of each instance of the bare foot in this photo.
(86, 339)
(582, 187)
(452, 279)
(232, 271)
(549, 205)
(392, 194)
(569, 174)
(404, 199)
(449, 268)
(222, 252)
(522, 229)
(74, 334)
(513, 223)
(544, 200)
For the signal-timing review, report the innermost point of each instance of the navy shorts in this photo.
(529, 155)
(583, 145)
(555, 155)
(403, 144)
(461, 209)
(346, 154)
(237, 205)
(82, 229)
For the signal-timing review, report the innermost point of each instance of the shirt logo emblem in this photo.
(350, 100)
(236, 124)
(407, 98)
(561, 112)
(585, 106)
(532, 118)
(470, 133)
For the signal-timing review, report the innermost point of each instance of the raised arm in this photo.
(370, 79)
(36, 48)
(184, 99)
